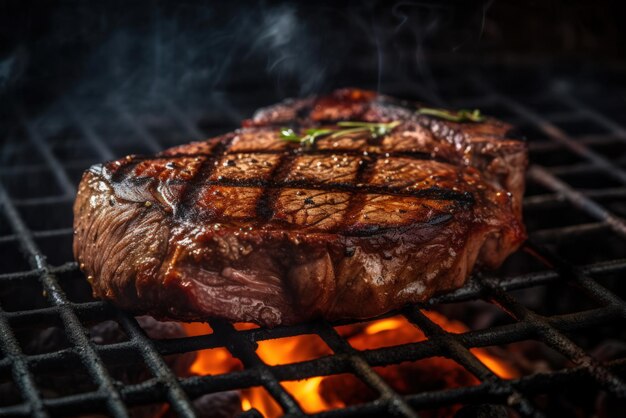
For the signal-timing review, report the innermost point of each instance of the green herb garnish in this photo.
(347, 128)
(462, 115)
(309, 137)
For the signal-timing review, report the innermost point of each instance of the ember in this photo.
(329, 392)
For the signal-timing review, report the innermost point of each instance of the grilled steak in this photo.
(250, 227)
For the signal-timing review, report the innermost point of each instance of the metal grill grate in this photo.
(584, 193)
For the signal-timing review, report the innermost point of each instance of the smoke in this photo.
(11, 67)
(207, 54)
(291, 48)
(6, 67)
(204, 56)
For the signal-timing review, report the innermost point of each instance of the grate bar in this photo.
(364, 371)
(92, 402)
(565, 116)
(66, 267)
(17, 411)
(45, 200)
(21, 374)
(574, 169)
(579, 200)
(617, 130)
(555, 133)
(61, 358)
(42, 147)
(37, 168)
(547, 200)
(245, 350)
(88, 133)
(20, 275)
(92, 311)
(590, 140)
(40, 234)
(142, 133)
(199, 385)
(567, 231)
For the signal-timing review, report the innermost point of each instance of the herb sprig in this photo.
(346, 128)
(462, 115)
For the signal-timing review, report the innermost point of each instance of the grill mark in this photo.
(434, 193)
(363, 177)
(129, 162)
(265, 206)
(189, 194)
(321, 152)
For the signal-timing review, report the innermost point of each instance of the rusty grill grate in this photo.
(574, 211)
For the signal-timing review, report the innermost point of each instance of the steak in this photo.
(251, 227)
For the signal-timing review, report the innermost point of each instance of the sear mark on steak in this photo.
(249, 227)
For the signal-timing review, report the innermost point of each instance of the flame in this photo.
(500, 367)
(318, 394)
(245, 404)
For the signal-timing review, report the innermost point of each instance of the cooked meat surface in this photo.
(251, 227)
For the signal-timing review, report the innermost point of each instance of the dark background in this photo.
(183, 48)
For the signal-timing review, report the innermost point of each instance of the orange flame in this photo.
(318, 394)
